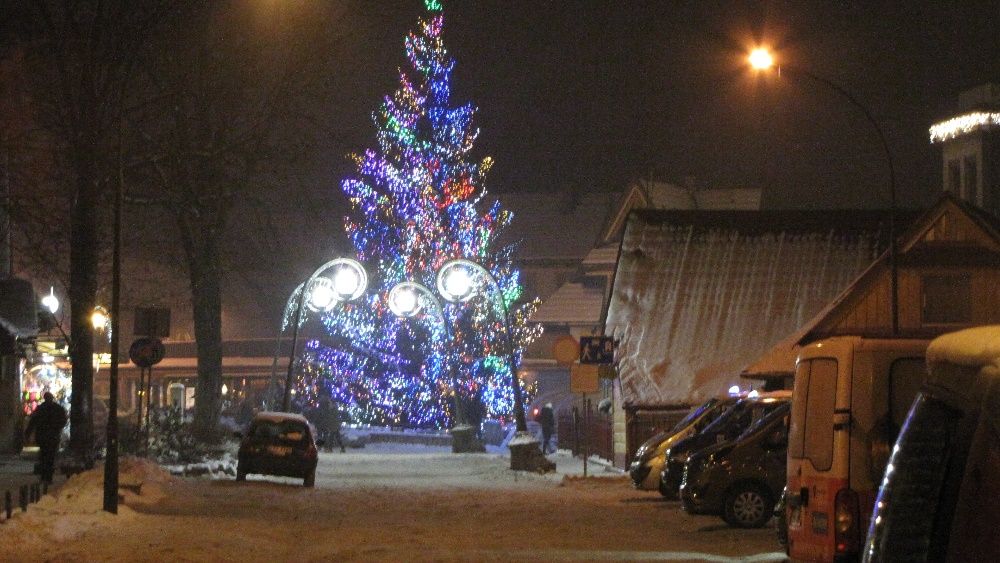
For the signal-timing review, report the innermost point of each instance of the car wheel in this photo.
(748, 506)
(310, 479)
(241, 473)
(667, 492)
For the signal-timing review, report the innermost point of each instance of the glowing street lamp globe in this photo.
(454, 281)
(99, 318)
(347, 283)
(339, 280)
(761, 59)
(50, 301)
(321, 296)
(404, 300)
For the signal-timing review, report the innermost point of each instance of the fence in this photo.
(27, 494)
(643, 421)
(577, 432)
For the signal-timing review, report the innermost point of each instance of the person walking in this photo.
(328, 421)
(47, 422)
(547, 419)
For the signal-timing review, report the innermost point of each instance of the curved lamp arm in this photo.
(457, 286)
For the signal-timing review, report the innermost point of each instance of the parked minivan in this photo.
(851, 397)
(728, 426)
(645, 468)
(740, 480)
(939, 495)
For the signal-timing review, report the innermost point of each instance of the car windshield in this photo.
(693, 415)
(288, 430)
(780, 411)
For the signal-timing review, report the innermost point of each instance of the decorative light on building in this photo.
(963, 124)
(50, 301)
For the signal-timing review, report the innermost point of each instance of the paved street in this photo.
(382, 506)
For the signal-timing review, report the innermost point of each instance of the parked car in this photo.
(938, 498)
(648, 463)
(851, 397)
(728, 426)
(278, 443)
(742, 479)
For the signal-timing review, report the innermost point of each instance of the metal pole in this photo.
(111, 438)
(286, 402)
(893, 266)
(586, 433)
(149, 389)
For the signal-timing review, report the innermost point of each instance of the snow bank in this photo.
(77, 506)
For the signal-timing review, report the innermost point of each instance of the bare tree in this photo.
(81, 57)
(223, 113)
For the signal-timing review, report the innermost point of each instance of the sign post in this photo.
(146, 352)
(596, 355)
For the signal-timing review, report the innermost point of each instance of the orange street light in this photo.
(761, 59)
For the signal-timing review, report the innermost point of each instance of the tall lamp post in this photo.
(456, 282)
(761, 59)
(338, 281)
(406, 300)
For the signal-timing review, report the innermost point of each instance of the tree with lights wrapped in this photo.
(418, 201)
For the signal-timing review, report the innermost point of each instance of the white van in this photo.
(939, 496)
(850, 399)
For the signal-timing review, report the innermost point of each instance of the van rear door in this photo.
(815, 473)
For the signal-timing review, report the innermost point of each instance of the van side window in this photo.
(905, 378)
(811, 433)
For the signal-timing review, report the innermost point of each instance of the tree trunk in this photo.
(82, 296)
(206, 298)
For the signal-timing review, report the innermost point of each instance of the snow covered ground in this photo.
(386, 502)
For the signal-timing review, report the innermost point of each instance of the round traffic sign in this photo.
(146, 351)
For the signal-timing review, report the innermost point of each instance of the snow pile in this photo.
(77, 507)
(222, 468)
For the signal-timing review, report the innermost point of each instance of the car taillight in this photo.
(846, 525)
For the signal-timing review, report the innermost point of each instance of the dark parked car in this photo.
(648, 462)
(740, 480)
(939, 495)
(278, 443)
(727, 427)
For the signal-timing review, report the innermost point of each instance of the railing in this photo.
(27, 494)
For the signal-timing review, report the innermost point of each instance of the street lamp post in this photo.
(339, 280)
(761, 59)
(456, 283)
(406, 300)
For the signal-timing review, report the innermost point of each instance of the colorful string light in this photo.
(417, 202)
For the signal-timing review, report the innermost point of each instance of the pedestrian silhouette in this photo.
(547, 419)
(47, 422)
(328, 419)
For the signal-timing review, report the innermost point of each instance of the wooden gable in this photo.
(948, 266)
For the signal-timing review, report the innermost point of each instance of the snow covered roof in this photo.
(698, 295)
(572, 303)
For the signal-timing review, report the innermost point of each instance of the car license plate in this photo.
(279, 450)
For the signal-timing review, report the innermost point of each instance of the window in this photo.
(970, 177)
(946, 299)
(811, 432)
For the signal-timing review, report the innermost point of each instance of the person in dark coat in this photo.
(547, 419)
(328, 420)
(47, 423)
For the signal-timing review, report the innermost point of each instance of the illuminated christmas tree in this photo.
(418, 201)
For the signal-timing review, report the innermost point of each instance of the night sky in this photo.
(587, 96)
